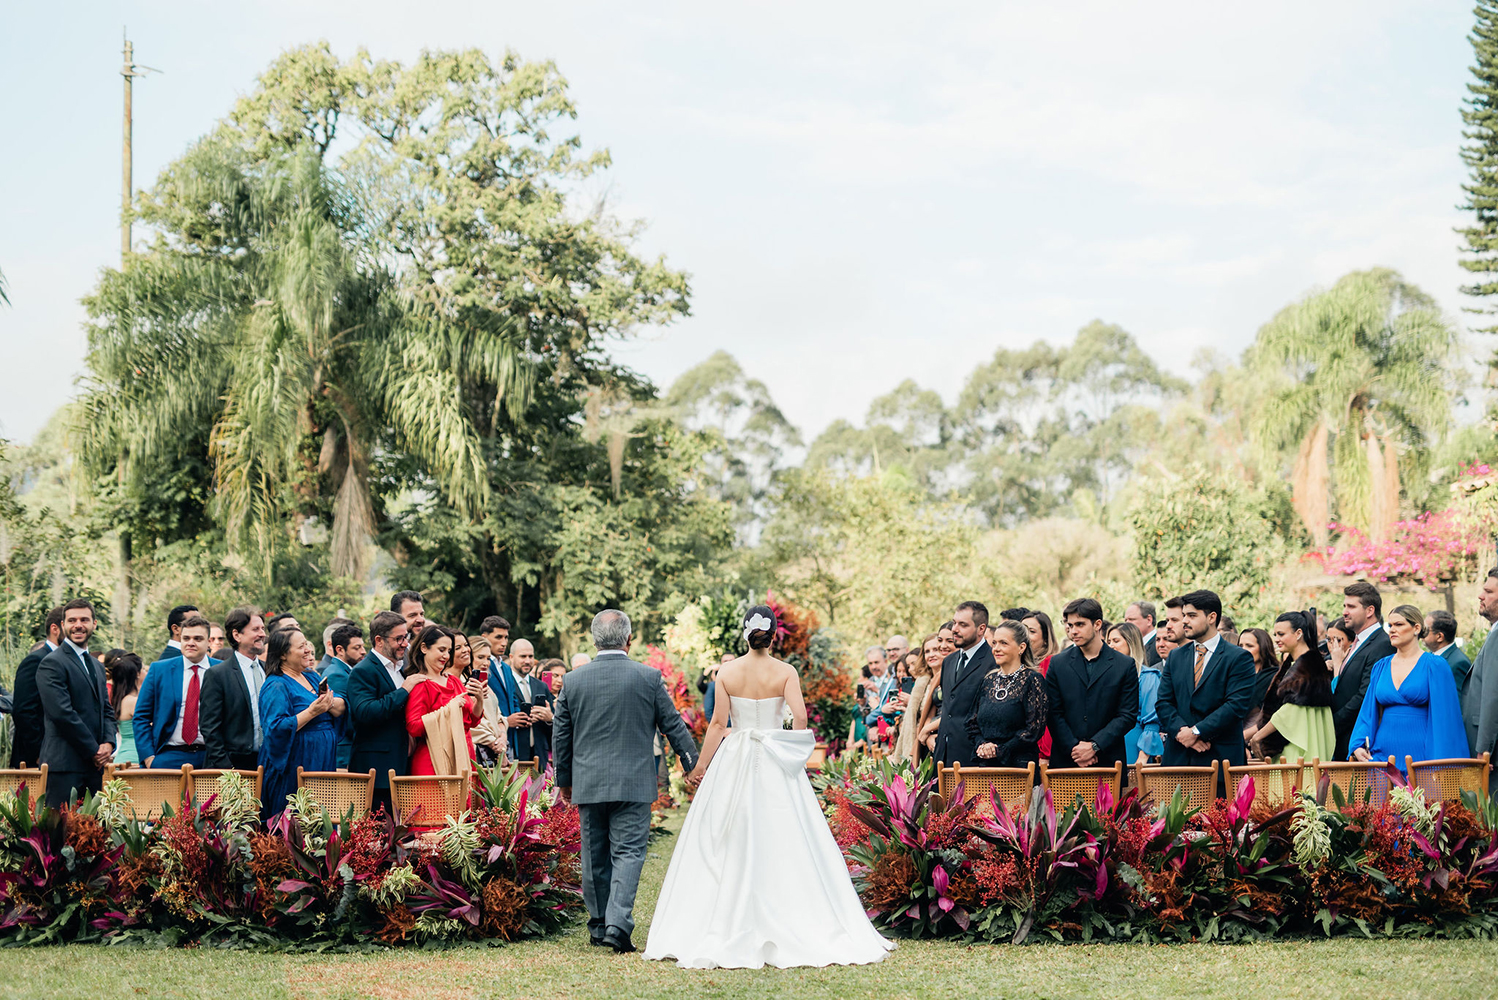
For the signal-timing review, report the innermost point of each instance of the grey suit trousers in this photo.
(614, 839)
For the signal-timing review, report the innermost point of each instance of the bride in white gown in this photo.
(756, 878)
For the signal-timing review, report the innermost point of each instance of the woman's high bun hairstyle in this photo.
(759, 627)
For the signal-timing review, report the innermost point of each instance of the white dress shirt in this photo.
(1211, 645)
(254, 677)
(174, 644)
(390, 668)
(176, 739)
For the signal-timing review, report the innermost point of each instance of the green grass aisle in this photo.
(566, 966)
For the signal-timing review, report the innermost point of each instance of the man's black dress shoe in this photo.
(616, 939)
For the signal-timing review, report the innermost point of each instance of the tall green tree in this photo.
(1360, 388)
(1480, 153)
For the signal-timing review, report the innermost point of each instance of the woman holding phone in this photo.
(300, 718)
(428, 659)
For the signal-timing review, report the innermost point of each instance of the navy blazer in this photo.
(78, 717)
(959, 700)
(335, 672)
(26, 711)
(1216, 707)
(1092, 702)
(1352, 686)
(159, 705)
(377, 712)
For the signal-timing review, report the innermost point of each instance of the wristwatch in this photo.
(1195, 731)
(1097, 751)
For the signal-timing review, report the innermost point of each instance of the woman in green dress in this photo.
(1298, 708)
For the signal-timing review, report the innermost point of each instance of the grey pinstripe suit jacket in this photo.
(604, 727)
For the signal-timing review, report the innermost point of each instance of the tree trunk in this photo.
(1309, 481)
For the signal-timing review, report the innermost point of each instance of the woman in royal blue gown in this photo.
(1411, 708)
(301, 726)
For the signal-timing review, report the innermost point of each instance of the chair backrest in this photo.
(34, 778)
(1273, 783)
(204, 784)
(151, 789)
(533, 765)
(338, 791)
(1159, 784)
(1355, 778)
(1013, 785)
(1067, 783)
(1446, 780)
(428, 799)
(818, 757)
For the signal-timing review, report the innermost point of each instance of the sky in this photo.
(861, 193)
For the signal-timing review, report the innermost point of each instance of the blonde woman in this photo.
(918, 663)
(1144, 740)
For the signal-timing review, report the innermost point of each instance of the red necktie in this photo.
(190, 710)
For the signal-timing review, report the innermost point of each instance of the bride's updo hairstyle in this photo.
(759, 627)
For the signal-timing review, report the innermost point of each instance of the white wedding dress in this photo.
(756, 878)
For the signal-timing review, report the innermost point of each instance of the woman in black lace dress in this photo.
(1011, 713)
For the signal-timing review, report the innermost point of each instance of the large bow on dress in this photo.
(790, 748)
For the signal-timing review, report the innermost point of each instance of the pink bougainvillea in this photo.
(1431, 550)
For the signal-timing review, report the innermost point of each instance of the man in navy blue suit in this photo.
(26, 706)
(502, 679)
(1206, 692)
(377, 694)
(343, 643)
(167, 732)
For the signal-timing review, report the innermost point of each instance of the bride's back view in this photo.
(756, 878)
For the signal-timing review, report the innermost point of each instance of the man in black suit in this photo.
(1093, 693)
(26, 706)
(174, 620)
(78, 721)
(377, 695)
(533, 697)
(1141, 614)
(961, 674)
(230, 700)
(1206, 691)
(1363, 608)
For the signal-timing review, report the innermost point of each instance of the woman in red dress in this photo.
(428, 659)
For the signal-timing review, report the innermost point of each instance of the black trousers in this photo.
(63, 785)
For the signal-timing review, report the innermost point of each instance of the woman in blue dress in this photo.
(1411, 708)
(300, 718)
(1144, 740)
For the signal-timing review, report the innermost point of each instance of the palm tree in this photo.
(1363, 379)
(261, 314)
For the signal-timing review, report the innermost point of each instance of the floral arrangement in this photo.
(506, 868)
(1119, 870)
(793, 630)
(707, 630)
(682, 695)
(1432, 549)
(828, 689)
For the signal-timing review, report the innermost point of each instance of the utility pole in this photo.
(129, 71)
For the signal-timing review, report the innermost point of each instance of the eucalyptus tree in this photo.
(1360, 388)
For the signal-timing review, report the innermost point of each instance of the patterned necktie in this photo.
(190, 710)
(1201, 659)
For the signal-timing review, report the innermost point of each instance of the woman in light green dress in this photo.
(125, 676)
(1302, 694)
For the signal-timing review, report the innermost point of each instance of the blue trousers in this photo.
(174, 759)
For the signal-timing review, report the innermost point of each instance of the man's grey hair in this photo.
(611, 629)
(334, 626)
(872, 650)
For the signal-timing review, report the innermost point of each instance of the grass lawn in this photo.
(567, 966)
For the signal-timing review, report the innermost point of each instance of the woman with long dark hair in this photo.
(428, 659)
(1340, 638)
(300, 718)
(1257, 643)
(1298, 708)
(125, 676)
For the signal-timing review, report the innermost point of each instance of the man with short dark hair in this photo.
(1206, 690)
(1362, 607)
(961, 675)
(1440, 638)
(410, 606)
(377, 695)
(1092, 693)
(1141, 615)
(26, 706)
(334, 668)
(501, 680)
(1173, 621)
(284, 620)
(78, 727)
(174, 620)
(169, 710)
(231, 695)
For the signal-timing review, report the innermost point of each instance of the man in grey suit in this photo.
(1480, 699)
(603, 732)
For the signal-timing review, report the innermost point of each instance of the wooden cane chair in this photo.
(818, 757)
(428, 799)
(1159, 784)
(34, 778)
(338, 792)
(1066, 784)
(532, 766)
(1276, 784)
(1446, 780)
(203, 784)
(1356, 778)
(1013, 785)
(152, 790)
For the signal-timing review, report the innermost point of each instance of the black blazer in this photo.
(1352, 685)
(167, 654)
(26, 711)
(959, 700)
(377, 711)
(1151, 653)
(77, 717)
(1096, 702)
(535, 740)
(1217, 707)
(225, 717)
